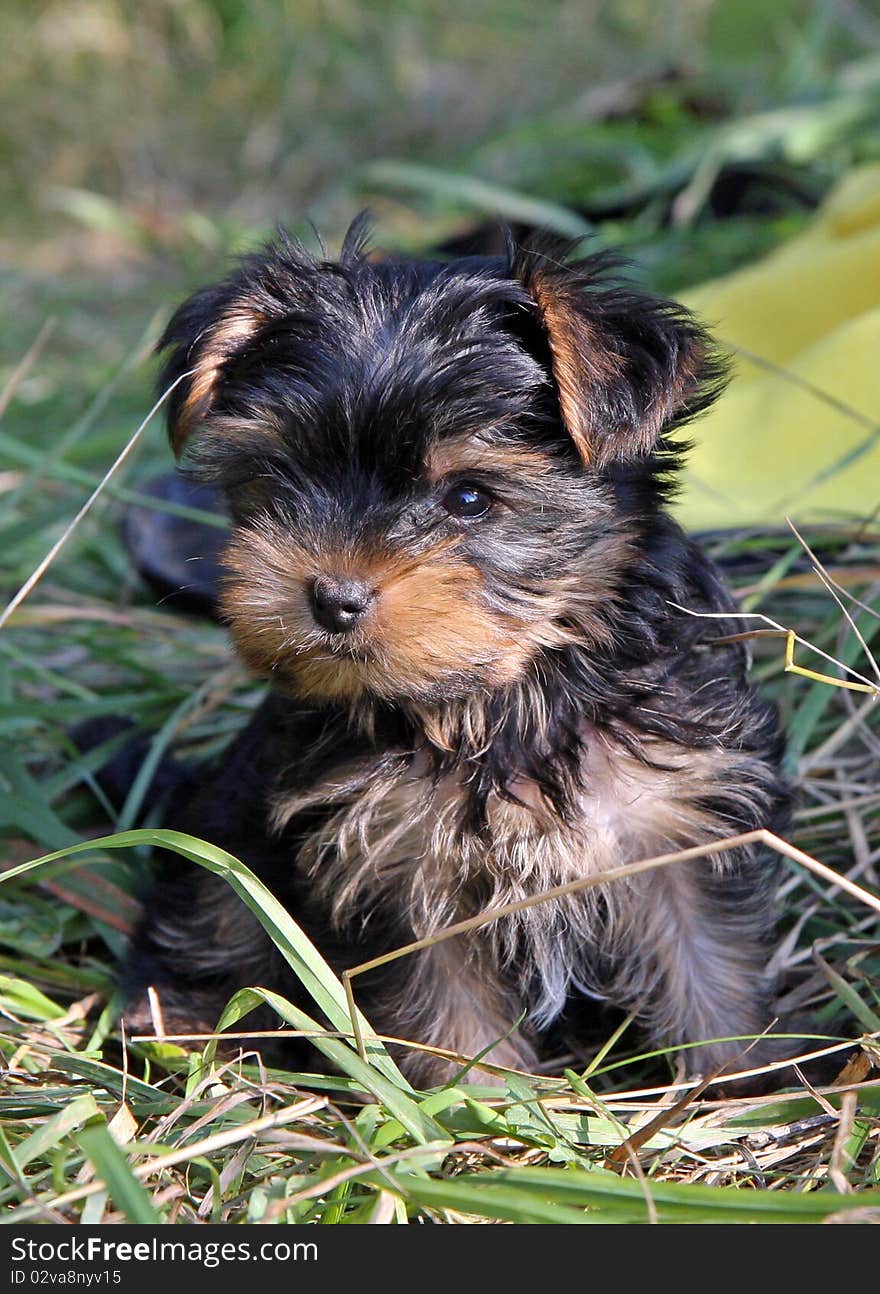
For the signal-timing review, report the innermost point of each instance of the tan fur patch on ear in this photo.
(580, 361)
(686, 381)
(236, 326)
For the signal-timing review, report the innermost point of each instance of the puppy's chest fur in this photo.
(394, 848)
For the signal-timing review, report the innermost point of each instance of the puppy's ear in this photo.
(206, 331)
(626, 365)
(281, 282)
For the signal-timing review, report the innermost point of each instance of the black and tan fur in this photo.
(521, 704)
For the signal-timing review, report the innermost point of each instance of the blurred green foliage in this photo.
(252, 111)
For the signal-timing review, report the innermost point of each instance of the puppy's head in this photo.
(424, 461)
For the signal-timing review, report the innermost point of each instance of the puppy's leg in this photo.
(700, 939)
(196, 945)
(450, 996)
(197, 942)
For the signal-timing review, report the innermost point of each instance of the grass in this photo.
(98, 1126)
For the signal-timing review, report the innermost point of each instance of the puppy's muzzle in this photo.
(339, 605)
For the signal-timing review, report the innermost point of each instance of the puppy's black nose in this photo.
(339, 605)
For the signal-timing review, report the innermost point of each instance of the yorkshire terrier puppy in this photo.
(451, 557)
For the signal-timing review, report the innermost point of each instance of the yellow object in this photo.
(798, 431)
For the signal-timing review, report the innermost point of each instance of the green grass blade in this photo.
(53, 1131)
(492, 1199)
(680, 1202)
(467, 190)
(113, 1168)
(406, 1111)
(301, 955)
(536, 1195)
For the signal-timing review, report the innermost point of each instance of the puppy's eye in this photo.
(467, 501)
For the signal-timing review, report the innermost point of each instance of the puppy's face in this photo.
(423, 460)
